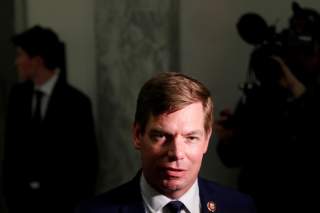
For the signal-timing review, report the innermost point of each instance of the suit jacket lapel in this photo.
(208, 199)
(55, 99)
(133, 194)
(28, 100)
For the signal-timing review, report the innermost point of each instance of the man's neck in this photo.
(155, 200)
(43, 76)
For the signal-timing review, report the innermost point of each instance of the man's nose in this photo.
(176, 148)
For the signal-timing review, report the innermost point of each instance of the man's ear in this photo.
(137, 136)
(37, 61)
(208, 136)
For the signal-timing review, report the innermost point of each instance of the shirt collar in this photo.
(155, 201)
(48, 86)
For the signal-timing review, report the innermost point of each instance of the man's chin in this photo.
(172, 185)
(173, 189)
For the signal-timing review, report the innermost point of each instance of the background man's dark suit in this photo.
(60, 155)
(127, 198)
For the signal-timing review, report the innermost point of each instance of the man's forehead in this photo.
(191, 115)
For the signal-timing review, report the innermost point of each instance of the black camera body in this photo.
(300, 37)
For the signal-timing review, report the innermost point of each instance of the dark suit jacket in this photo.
(127, 198)
(61, 155)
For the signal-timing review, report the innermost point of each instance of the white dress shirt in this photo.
(154, 202)
(46, 89)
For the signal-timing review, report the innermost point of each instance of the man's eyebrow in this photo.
(194, 132)
(158, 130)
(155, 130)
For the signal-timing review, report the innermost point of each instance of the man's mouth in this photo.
(170, 172)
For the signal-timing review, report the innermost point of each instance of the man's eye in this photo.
(192, 138)
(158, 137)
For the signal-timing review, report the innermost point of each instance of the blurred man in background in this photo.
(50, 150)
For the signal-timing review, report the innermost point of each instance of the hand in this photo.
(224, 134)
(289, 80)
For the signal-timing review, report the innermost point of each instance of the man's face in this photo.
(172, 147)
(25, 65)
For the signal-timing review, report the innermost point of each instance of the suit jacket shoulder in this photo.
(223, 199)
(125, 198)
(68, 93)
(69, 105)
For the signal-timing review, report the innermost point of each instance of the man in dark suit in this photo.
(172, 129)
(50, 148)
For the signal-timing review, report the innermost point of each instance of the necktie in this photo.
(37, 111)
(175, 206)
(35, 146)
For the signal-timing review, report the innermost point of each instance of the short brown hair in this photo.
(169, 92)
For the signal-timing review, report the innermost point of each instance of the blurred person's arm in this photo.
(228, 146)
(289, 80)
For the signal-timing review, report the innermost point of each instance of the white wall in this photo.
(73, 20)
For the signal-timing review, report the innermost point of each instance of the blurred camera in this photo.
(300, 37)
